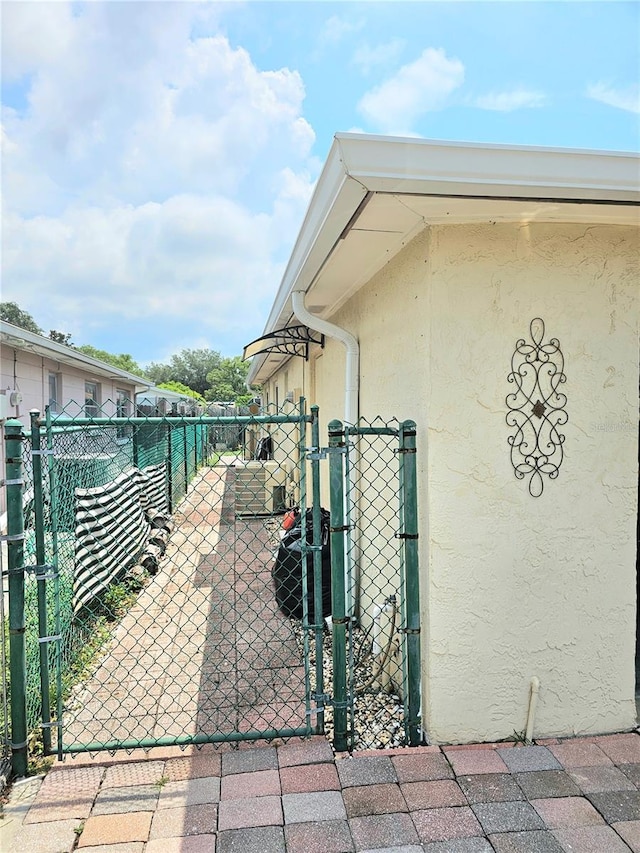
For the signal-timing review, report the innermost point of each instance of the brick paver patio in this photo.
(300, 798)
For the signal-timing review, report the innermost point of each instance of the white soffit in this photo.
(376, 193)
(390, 222)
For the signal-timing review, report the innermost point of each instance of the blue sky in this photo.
(158, 157)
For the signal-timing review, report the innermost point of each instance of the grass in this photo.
(214, 458)
(84, 637)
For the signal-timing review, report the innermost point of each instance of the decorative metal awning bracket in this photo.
(292, 340)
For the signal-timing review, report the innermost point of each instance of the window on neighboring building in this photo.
(54, 392)
(91, 399)
(123, 410)
(123, 403)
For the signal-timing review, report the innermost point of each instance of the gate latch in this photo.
(314, 453)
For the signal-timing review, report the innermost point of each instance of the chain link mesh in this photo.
(183, 607)
(170, 628)
(375, 595)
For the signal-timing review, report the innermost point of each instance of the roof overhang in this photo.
(375, 194)
(17, 338)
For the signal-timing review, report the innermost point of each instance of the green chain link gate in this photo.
(142, 579)
(375, 589)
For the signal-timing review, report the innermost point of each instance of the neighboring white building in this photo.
(156, 402)
(423, 264)
(37, 372)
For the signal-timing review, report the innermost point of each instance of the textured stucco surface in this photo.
(513, 586)
(521, 586)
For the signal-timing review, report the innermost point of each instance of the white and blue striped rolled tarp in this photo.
(112, 528)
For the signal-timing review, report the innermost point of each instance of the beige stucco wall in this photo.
(521, 586)
(513, 586)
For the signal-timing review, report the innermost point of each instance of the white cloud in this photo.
(33, 35)
(152, 177)
(335, 29)
(186, 258)
(623, 99)
(366, 58)
(414, 90)
(515, 99)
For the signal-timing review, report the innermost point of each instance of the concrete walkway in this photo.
(580, 795)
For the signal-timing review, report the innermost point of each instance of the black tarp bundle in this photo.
(287, 570)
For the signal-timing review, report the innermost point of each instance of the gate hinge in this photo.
(52, 639)
(47, 451)
(405, 450)
(409, 630)
(43, 572)
(406, 535)
(12, 537)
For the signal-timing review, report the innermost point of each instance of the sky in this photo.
(158, 157)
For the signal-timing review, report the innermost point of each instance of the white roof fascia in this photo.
(359, 164)
(14, 336)
(335, 199)
(165, 394)
(424, 166)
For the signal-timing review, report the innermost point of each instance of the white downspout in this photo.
(351, 415)
(352, 367)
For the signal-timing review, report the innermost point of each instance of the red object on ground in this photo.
(290, 518)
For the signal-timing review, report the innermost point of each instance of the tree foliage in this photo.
(200, 373)
(227, 382)
(189, 367)
(123, 360)
(10, 312)
(61, 337)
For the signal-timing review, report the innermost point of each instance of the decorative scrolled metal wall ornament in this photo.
(536, 408)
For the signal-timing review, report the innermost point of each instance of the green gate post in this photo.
(38, 503)
(136, 446)
(318, 609)
(170, 489)
(409, 485)
(15, 561)
(185, 456)
(338, 598)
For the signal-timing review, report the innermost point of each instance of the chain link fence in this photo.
(167, 629)
(81, 461)
(188, 587)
